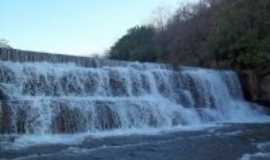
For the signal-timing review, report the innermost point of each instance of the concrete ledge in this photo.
(15, 55)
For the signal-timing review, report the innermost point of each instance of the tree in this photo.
(160, 17)
(137, 45)
(4, 43)
(184, 39)
(211, 33)
(242, 34)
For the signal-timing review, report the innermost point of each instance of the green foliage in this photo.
(137, 45)
(4, 43)
(229, 33)
(241, 35)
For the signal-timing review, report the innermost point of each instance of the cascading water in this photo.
(49, 98)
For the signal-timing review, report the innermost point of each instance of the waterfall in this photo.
(51, 98)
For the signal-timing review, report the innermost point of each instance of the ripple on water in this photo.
(263, 154)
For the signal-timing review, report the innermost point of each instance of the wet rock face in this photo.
(256, 88)
(19, 124)
(265, 89)
(196, 89)
(5, 118)
(70, 84)
(68, 120)
(250, 85)
(1, 115)
(91, 82)
(118, 84)
(6, 75)
(3, 95)
(108, 119)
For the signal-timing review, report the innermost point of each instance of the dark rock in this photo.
(255, 87)
(265, 90)
(6, 74)
(70, 84)
(14, 116)
(21, 119)
(68, 119)
(1, 115)
(6, 118)
(196, 89)
(106, 117)
(118, 84)
(250, 85)
(145, 83)
(3, 95)
(91, 82)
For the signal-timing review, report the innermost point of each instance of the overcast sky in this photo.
(80, 27)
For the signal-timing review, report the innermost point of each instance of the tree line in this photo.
(224, 33)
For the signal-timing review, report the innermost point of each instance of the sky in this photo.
(78, 27)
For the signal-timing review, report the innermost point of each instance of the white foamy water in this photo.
(43, 101)
(256, 156)
(264, 152)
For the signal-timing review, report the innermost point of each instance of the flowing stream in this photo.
(50, 98)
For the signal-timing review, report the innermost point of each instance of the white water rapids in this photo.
(49, 99)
